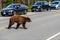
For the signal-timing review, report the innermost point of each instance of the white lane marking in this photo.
(53, 36)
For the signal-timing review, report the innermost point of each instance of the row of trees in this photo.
(27, 2)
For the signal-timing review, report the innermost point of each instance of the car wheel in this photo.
(57, 8)
(32, 10)
(37, 10)
(40, 10)
(14, 12)
(2, 14)
(24, 12)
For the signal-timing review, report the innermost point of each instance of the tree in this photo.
(9, 2)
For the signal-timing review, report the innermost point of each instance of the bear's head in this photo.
(28, 19)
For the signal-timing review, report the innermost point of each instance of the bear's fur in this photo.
(19, 20)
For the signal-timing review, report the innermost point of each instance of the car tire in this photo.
(14, 12)
(2, 14)
(24, 12)
(32, 10)
(40, 10)
(57, 8)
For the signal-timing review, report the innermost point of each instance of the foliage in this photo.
(9, 2)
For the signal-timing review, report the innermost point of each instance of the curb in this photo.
(4, 18)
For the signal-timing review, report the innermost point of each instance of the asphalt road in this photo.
(43, 26)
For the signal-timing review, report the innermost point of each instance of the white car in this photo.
(55, 5)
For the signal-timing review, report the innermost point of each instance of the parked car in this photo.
(11, 9)
(40, 6)
(55, 5)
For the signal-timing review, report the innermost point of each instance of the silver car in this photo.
(55, 5)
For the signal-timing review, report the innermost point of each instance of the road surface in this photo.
(44, 25)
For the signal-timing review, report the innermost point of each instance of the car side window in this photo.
(9, 6)
(14, 6)
(22, 5)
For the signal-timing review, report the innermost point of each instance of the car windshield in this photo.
(12, 6)
(46, 3)
(41, 3)
(55, 2)
(38, 3)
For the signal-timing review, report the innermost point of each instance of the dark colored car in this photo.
(40, 6)
(11, 9)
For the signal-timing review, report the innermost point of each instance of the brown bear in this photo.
(19, 20)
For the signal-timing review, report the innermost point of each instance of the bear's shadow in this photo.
(15, 28)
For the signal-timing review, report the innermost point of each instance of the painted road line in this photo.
(53, 36)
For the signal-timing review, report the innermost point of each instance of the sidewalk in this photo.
(4, 18)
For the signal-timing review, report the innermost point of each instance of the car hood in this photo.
(7, 8)
(36, 5)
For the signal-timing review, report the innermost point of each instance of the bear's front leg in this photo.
(24, 25)
(17, 25)
(10, 24)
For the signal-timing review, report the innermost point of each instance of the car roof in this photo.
(17, 4)
(14, 4)
(41, 1)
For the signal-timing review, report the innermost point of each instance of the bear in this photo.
(19, 20)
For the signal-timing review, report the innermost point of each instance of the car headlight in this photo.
(10, 11)
(56, 6)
